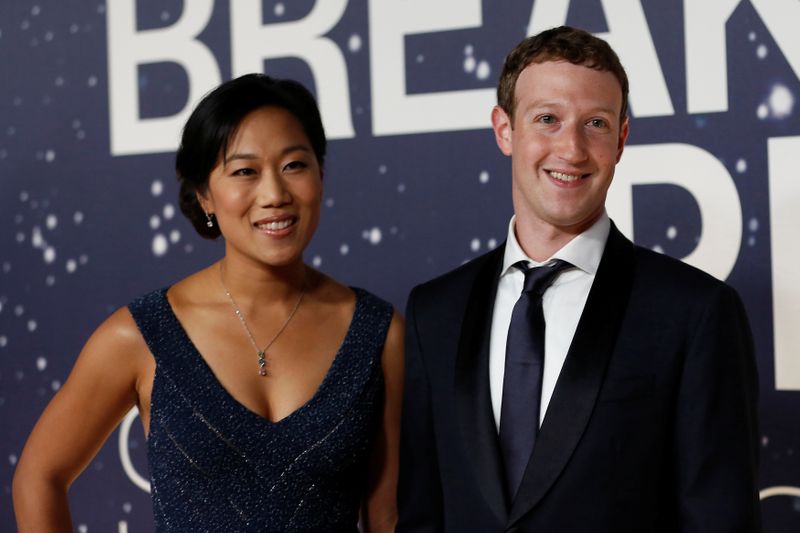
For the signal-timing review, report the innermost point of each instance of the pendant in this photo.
(262, 364)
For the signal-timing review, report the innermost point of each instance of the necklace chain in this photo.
(262, 354)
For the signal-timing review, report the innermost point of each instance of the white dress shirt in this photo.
(562, 304)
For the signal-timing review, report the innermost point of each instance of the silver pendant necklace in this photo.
(262, 354)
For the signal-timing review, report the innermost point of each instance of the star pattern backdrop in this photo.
(83, 229)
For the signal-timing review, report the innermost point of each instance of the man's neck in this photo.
(540, 240)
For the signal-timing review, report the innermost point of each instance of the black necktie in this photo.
(522, 381)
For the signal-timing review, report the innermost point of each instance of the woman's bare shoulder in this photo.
(116, 345)
(120, 331)
(328, 290)
(195, 289)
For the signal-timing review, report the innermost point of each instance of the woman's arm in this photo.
(380, 510)
(101, 388)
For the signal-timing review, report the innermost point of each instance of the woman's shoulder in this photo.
(116, 344)
(355, 299)
(326, 291)
(124, 327)
(194, 289)
(194, 296)
(119, 329)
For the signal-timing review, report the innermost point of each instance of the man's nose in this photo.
(572, 144)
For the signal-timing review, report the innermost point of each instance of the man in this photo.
(640, 414)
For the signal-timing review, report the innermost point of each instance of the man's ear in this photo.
(501, 124)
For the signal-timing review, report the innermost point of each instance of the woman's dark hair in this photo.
(215, 121)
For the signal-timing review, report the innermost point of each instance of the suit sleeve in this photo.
(716, 423)
(419, 489)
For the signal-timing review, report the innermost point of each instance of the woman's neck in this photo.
(251, 283)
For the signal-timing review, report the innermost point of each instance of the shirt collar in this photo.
(584, 251)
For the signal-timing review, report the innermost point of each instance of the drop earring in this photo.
(209, 220)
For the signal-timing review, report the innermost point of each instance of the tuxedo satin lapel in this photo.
(583, 373)
(473, 398)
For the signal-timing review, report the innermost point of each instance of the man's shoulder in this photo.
(659, 278)
(662, 273)
(462, 278)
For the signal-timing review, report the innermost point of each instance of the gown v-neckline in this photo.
(210, 377)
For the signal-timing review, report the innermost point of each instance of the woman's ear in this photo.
(205, 202)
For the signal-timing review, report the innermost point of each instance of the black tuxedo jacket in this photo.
(651, 427)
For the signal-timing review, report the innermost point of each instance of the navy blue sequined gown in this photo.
(217, 466)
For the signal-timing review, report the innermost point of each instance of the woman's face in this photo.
(266, 190)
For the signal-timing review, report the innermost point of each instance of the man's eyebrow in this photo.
(553, 104)
(605, 110)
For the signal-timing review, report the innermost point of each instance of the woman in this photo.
(269, 392)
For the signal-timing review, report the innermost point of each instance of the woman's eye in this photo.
(244, 172)
(295, 165)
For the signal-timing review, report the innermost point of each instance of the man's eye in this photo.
(598, 123)
(547, 119)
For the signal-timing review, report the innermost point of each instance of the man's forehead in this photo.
(560, 84)
(536, 73)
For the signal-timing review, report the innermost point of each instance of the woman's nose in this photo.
(272, 190)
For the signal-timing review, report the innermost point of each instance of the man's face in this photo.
(565, 142)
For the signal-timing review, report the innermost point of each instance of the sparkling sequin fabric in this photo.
(217, 466)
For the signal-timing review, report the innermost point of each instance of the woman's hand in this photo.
(104, 384)
(380, 508)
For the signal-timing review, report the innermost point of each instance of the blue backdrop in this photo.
(93, 94)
